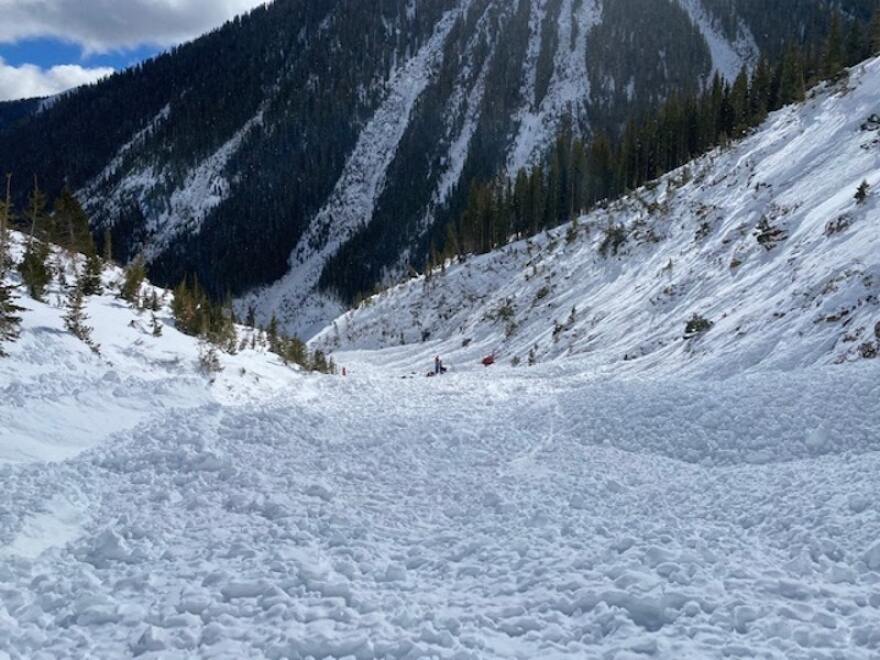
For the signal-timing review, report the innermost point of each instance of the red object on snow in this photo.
(488, 361)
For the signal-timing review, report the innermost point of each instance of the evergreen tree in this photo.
(272, 335)
(132, 281)
(759, 96)
(6, 218)
(740, 104)
(862, 193)
(107, 246)
(75, 317)
(10, 321)
(34, 268)
(833, 52)
(874, 34)
(71, 225)
(91, 277)
(792, 88)
(155, 326)
(36, 214)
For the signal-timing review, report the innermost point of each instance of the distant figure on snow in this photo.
(489, 360)
(439, 369)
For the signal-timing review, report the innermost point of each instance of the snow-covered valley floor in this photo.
(531, 513)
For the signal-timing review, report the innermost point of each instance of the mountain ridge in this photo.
(349, 125)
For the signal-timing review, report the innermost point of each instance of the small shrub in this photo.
(862, 193)
(767, 235)
(868, 350)
(209, 359)
(838, 226)
(697, 325)
(615, 238)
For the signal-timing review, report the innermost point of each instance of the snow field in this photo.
(465, 517)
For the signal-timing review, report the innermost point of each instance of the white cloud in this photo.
(28, 80)
(106, 25)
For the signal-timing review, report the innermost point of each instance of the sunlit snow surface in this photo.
(704, 499)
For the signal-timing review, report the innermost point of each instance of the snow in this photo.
(691, 248)
(518, 515)
(728, 58)
(569, 89)
(202, 189)
(714, 498)
(60, 399)
(294, 297)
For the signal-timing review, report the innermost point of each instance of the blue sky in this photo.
(49, 46)
(49, 52)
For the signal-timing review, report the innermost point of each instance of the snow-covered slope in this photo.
(690, 245)
(58, 398)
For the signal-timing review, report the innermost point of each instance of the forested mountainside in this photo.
(762, 255)
(252, 155)
(12, 112)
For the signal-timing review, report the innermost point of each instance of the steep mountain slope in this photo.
(764, 240)
(306, 137)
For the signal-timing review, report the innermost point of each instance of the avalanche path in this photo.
(497, 514)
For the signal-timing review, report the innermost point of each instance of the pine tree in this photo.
(75, 318)
(107, 247)
(71, 225)
(251, 318)
(91, 277)
(132, 281)
(792, 84)
(833, 53)
(6, 218)
(155, 326)
(10, 321)
(759, 96)
(319, 362)
(34, 268)
(874, 34)
(272, 332)
(36, 213)
(740, 104)
(862, 193)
